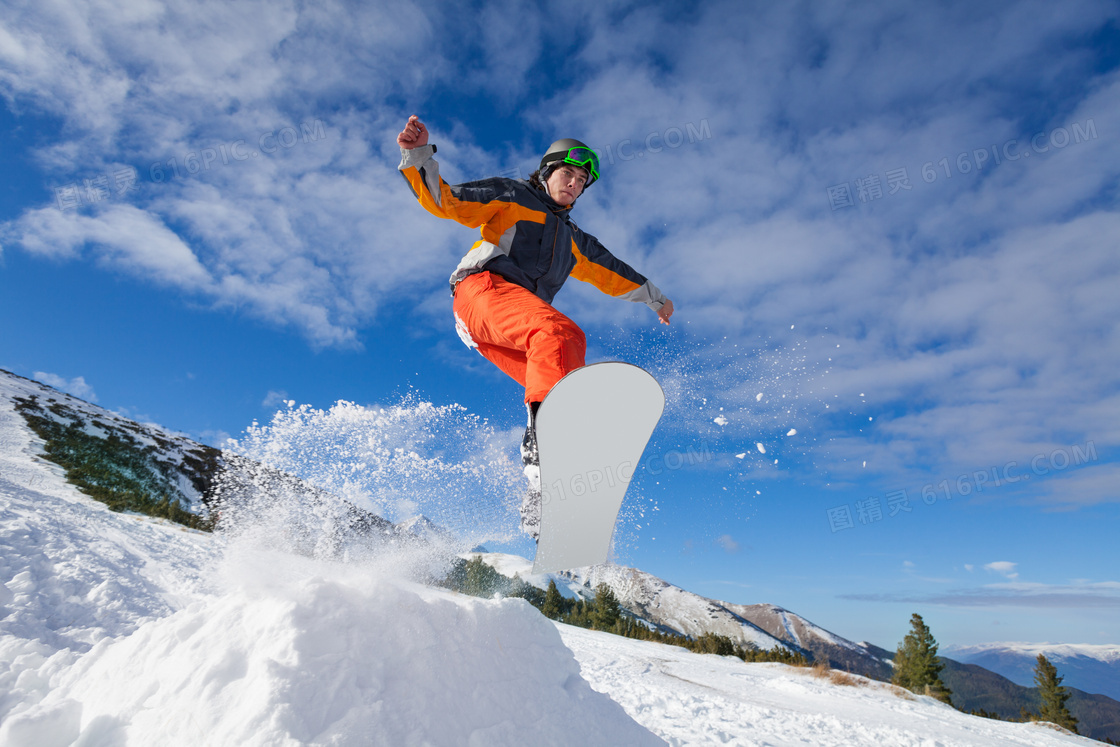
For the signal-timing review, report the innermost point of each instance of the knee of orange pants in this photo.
(556, 348)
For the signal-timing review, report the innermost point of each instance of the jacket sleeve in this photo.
(470, 204)
(608, 273)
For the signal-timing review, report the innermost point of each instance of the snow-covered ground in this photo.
(699, 699)
(121, 630)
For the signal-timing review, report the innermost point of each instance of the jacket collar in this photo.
(553, 205)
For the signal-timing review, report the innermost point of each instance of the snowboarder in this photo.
(504, 286)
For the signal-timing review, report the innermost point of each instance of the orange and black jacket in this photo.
(527, 237)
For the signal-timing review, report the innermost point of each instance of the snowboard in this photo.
(591, 431)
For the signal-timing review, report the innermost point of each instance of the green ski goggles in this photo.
(584, 158)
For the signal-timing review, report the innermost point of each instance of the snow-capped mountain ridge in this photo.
(824, 645)
(1093, 668)
(1109, 654)
(674, 608)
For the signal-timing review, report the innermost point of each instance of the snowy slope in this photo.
(73, 573)
(1087, 667)
(117, 629)
(172, 464)
(696, 699)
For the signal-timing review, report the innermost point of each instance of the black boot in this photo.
(531, 464)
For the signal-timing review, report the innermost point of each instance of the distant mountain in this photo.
(976, 688)
(840, 653)
(1091, 668)
(761, 626)
(672, 609)
(422, 528)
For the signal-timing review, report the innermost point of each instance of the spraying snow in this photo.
(397, 462)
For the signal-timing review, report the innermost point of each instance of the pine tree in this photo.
(1053, 695)
(553, 603)
(607, 611)
(481, 580)
(578, 615)
(916, 666)
(519, 589)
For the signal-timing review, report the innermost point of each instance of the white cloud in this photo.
(256, 190)
(1003, 568)
(728, 544)
(1083, 484)
(976, 308)
(274, 399)
(1076, 595)
(76, 386)
(123, 236)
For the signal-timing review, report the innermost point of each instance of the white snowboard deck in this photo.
(591, 431)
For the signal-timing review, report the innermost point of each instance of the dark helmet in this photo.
(570, 150)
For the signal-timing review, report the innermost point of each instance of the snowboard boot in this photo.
(531, 465)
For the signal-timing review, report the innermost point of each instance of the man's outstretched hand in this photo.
(413, 135)
(665, 313)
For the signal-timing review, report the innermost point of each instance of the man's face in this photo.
(566, 183)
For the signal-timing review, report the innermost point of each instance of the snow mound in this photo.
(328, 655)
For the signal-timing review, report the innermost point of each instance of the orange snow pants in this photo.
(519, 333)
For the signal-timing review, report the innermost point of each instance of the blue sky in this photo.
(889, 229)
